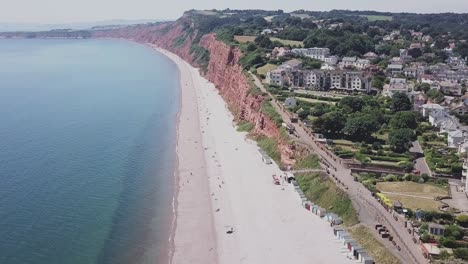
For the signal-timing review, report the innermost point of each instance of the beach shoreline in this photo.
(191, 184)
(226, 208)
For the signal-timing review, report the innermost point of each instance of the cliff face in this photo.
(222, 69)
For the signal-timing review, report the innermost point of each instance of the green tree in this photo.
(361, 127)
(462, 49)
(263, 41)
(453, 231)
(461, 253)
(303, 114)
(404, 119)
(425, 87)
(377, 82)
(352, 104)
(400, 139)
(462, 220)
(400, 102)
(330, 124)
(435, 95)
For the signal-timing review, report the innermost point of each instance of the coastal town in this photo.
(331, 137)
(391, 119)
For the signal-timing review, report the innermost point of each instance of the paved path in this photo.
(459, 199)
(420, 163)
(369, 210)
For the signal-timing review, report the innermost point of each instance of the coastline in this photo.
(223, 185)
(192, 209)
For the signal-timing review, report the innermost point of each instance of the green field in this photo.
(288, 42)
(266, 68)
(413, 195)
(310, 100)
(244, 39)
(377, 18)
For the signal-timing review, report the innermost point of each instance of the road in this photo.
(420, 163)
(368, 208)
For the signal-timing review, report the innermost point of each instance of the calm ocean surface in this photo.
(87, 151)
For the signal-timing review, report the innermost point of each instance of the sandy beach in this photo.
(224, 186)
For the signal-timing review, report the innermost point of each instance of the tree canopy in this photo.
(400, 102)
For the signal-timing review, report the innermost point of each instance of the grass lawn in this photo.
(378, 251)
(243, 39)
(289, 42)
(381, 137)
(343, 142)
(377, 18)
(310, 100)
(414, 195)
(415, 203)
(266, 68)
(381, 162)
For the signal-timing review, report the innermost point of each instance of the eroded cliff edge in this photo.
(218, 63)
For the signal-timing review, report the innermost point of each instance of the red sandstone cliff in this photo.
(223, 70)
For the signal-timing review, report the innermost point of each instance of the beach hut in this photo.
(339, 233)
(346, 240)
(307, 205)
(342, 234)
(361, 254)
(367, 260)
(321, 212)
(354, 250)
(337, 229)
(334, 219)
(351, 244)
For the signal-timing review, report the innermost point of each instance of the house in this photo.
(332, 60)
(348, 62)
(448, 87)
(291, 65)
(418, 99)
(290, 102)
(426, 78)
(396, 85)
(449, 124)
(428, 108)
(436, 229)
(268, 31)
(279, 52)
(456, 138)
(370, 55)
(277, 77)
(410, 72)
(460, 108)
(362, 63)
(438, 117)
(314, 53)
(395, 69)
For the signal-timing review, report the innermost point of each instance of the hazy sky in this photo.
(56, 11)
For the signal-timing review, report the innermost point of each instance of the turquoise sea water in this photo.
(87, 151)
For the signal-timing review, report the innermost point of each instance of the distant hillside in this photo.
(34, 27)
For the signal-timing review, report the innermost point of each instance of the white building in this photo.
(277, 77)
(314, 53)
(428, 108)
(396, 85)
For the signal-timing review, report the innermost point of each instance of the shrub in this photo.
(462, 220)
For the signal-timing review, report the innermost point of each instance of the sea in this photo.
(87, 151)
